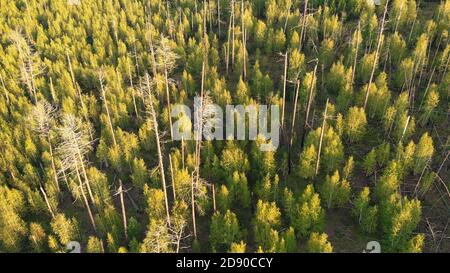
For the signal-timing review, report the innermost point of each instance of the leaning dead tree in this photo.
(149, 104)
(321, 137)
(75, 144)
(120, 192)
(101, 77)
(377, 53)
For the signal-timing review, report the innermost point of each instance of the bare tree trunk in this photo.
(284, 88)
(376, 53)
(218, 17)
(52, 91)
(4, 89)
(214, 197)
(302, 34)
(158, 146)
(152, 49)
(83, 194)
(308, 107)
(166, 78)
(47, 202)
(182, 151)
(321, 137)
(406, 127)
(80, 158)
(227, 52)
(243, 40)
(232, 32)
(294, 114)
(194, 225)
(105, 101)
(55, 176)
(398, 17)
(355, 61)
(173, 178)
(124, 213)
(132, 93)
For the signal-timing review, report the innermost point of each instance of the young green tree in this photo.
(365, 214)
(224, 231)
(423, 153)
(355, 124)
(318, 243)
(334, 191)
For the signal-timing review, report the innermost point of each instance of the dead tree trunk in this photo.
(355, 61)
(4, 90)
(55, 176)
(152, 49)
(124, 213)
(218, 17)
(302, 33)
(321, 137)
(158, 144)
(284, 88)
(377, 52)
(172, 178)
(294, 114)
(47, 202)
(308, 107)
(105, 102)
(243, 41)
(132, 88)
(86, 202)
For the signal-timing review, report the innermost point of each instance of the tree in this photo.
(12, 227)
(370, 162)
(157, 239)
(423, 153)
(334, 191)
(399, 218)
(150, 105)
(224, 231)
(307, 162)
(355, 124)
(74, 146)
(430, 104)
(237, 247)
(318, 243)
(95, 245)
(166, 61)
(307, 215)
(65, 229)
(365, 214)
(267, 219)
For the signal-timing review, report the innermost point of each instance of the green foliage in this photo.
(365, 214)
(224, 231)
(318, 243)
(334, 191)
(355, 124)
(86, 94)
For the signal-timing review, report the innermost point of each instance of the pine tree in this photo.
(224, 231)
(318, 243)
(355, 124)
(423, 153)
(334, 191)
(365, 214)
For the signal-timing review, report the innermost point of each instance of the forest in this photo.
(87, 152)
